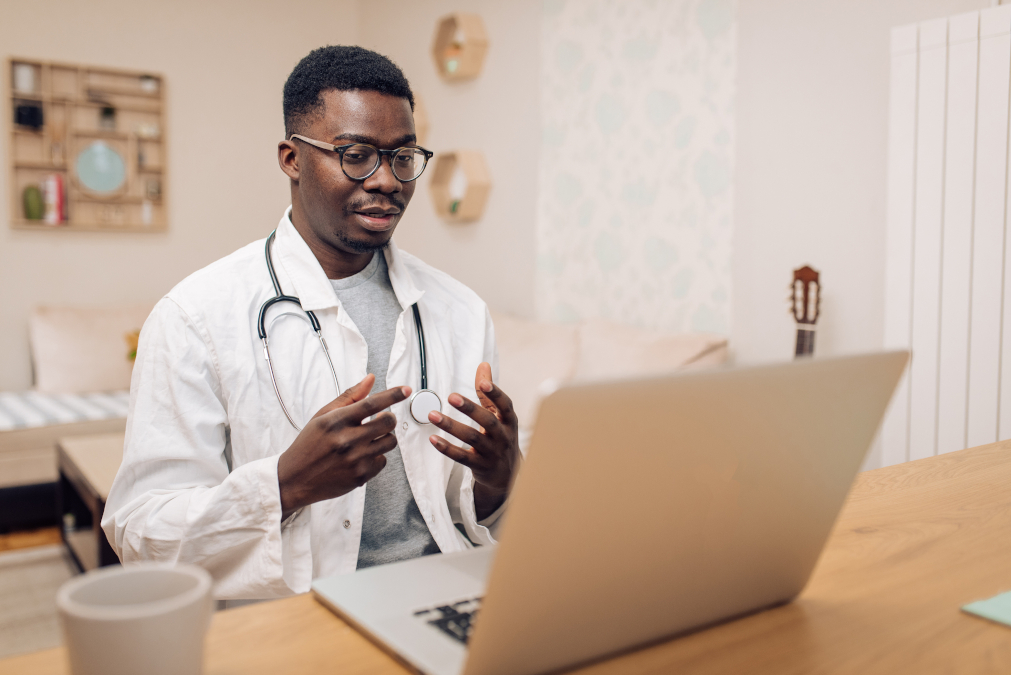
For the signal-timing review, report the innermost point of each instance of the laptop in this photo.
(645, 509)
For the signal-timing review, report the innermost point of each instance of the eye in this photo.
(359, 154)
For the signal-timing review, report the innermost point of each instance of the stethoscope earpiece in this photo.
(423, 402)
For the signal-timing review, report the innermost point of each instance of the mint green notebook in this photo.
(997, 608)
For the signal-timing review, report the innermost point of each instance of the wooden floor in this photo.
(29, 538)
(33, 566)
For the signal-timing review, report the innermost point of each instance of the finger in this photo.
(367, 469)
(347, 436)
(379, 446)
(498, 398)
(466, 457)
(383, 444)
(360, 410)
(379, 425)
(365, 441)
(484, 417)
(349, 396)
(484, 375)
(464, 432)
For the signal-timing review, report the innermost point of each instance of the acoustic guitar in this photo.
(805, 303)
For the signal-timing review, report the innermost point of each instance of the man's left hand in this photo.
(494, 453)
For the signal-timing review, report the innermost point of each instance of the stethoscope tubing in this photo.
(422, 401)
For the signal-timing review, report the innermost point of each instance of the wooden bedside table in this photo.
(87, 465)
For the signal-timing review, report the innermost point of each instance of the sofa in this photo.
(536, 357)
(81, 368)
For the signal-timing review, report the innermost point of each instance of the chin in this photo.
(365, 244)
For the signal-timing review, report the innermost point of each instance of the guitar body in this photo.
(805, 304)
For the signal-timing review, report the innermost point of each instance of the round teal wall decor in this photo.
(100, 168)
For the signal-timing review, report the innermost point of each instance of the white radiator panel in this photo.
(899, 272)
(959, 182)
(948, 202)
(928, 205)
(988, 235)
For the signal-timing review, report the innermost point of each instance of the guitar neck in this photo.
(805, 341)
(805, 305)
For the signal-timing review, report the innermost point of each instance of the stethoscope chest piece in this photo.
(423, 402)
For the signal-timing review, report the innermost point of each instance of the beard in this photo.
(359, 246)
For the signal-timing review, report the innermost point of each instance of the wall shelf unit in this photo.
(421, 120)
(90, 143)
(460, 45)
(460, 185)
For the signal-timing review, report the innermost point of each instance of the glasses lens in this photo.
(409, 163)
(359, 161)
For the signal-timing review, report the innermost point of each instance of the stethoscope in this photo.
(422, 401)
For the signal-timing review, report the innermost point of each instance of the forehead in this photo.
(385, 120)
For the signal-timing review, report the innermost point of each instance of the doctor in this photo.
(258, 470)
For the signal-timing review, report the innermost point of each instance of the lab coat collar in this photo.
(309, 280)
(400, 277)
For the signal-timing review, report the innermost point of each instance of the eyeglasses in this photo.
(360, 160)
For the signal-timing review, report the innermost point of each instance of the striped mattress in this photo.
(32, 409)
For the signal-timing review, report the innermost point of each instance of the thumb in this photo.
(351, 395)
(482, 377)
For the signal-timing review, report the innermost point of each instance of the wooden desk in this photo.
(914, 543)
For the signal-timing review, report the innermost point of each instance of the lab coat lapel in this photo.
(304, 278)
(400, 277)
(308, 280)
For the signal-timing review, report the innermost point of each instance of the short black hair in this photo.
(345, 69)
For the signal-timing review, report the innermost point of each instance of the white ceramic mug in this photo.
(142, 618)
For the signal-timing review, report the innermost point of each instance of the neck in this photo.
(337, 263)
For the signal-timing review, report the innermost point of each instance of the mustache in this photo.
(362, 204)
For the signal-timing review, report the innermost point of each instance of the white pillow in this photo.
(81, 350)
(612, 350)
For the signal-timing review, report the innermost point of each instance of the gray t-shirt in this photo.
(392, 528)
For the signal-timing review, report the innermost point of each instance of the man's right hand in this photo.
(335, 452)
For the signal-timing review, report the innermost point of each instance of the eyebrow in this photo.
(358, 138)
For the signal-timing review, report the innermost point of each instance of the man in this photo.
(215, 471)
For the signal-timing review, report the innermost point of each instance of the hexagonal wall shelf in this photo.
(421, 123)
(460, 185)
(460, 45)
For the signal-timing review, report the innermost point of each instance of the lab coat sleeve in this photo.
(460, 492)
(174, 498)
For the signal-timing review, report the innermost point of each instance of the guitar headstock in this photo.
(805, 295)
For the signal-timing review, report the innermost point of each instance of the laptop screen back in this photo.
(651, 507)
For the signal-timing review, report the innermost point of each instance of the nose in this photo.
(383, 180)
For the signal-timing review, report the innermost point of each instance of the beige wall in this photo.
(812, 125)
(809, 181)
(496, 113)
(812, 153)
(225, 64)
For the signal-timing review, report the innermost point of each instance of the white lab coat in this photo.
(198, 482)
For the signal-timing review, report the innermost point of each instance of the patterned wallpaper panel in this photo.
(635, 203)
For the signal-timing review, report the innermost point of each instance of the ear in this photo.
(288, 159)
